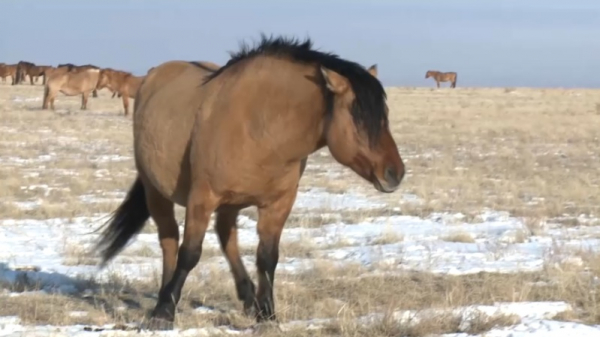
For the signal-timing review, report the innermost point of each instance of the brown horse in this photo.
(72, 67)
(23, 68)
(241, 138)
(36, 71)
(114, 92)
(70, 83)
(121, 82)
(7, 70)
(442, 77)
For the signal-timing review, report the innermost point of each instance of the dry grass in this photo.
(532, 153)
(459, 237)
(465, 149)
(327, 293)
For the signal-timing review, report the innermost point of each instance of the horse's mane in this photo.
(201, 66)
(369, 106)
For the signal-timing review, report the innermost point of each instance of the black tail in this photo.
(127, 221)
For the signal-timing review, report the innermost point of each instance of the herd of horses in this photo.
(71, 80)
(218, 139)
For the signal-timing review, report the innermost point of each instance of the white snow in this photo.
(534, 319)
(40, 251)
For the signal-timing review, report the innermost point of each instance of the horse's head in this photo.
(428, 74)
(104, 79)
(357, 132)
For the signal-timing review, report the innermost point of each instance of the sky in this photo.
(508, 43)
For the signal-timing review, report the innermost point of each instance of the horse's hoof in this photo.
(250, 311)
(264, 312)
(265, 327)
(157, 324)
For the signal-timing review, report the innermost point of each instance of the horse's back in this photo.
(73, 83)
(165, 108)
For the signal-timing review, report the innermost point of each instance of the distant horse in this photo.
(7, 70)
(114, 92)
(23, 68)
(36, 71)
(238, 137)
(121, 82)
(72, 67)
(442, 77)
(70, 83)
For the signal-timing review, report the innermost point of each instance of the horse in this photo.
(114, 92)
(70, 83)
(237, 137)
(442, 77)
(23, 68)
(72, 67)
(36, 71)
(121, 82)
(8, 70)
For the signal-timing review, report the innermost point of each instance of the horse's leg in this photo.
(95, 93)
(162, 212)
(125, 97)
(114, 94)
(51, 96)
(271, 220)
(84, 100)
(200, 205)
(226, 227)
(438, 83)
(46, 98)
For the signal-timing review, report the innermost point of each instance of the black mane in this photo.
(368, 108)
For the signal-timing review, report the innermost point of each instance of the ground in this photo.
(494, 230)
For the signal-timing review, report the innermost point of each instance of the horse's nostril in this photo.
(391, 176)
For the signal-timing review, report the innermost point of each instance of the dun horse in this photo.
(121, 82)
(7, 70)
(70, 83)
(72, 67)
(240, 137)
(442, 77)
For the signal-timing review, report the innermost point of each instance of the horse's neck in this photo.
(292, 133)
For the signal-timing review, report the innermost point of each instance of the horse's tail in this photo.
(126, 222)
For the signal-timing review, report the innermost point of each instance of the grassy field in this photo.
(530, 153)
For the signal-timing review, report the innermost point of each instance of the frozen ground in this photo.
(39, 251)
(52, 166)
(383, 244)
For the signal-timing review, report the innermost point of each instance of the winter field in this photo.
(493, 232)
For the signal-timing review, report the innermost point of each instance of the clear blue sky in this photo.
(542, 43)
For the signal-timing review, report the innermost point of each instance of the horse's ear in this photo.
(373, 70)
(335, 82)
